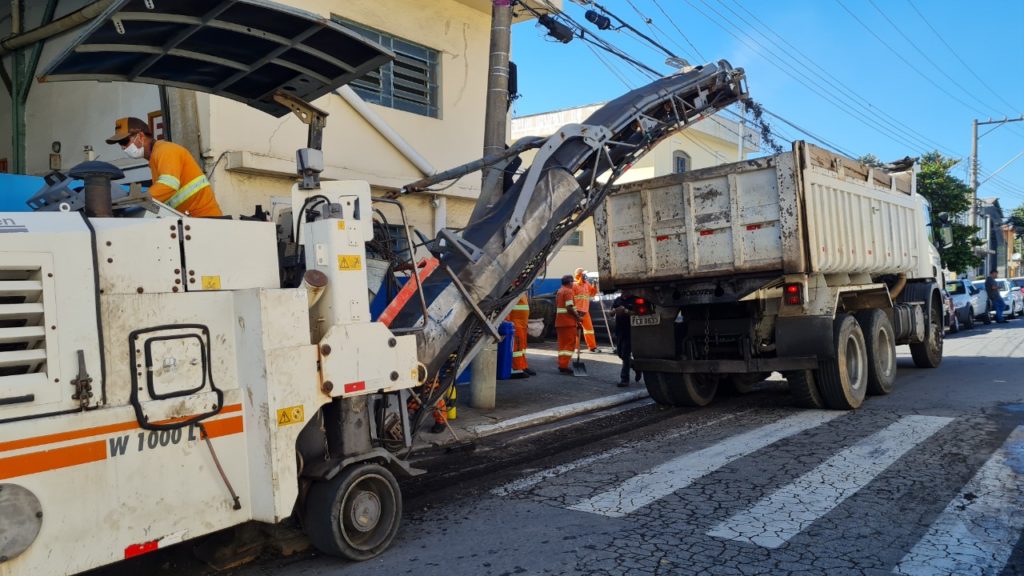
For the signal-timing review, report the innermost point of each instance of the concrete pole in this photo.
(497, 103)
(739, 141)
(483, 384)
(974, 173)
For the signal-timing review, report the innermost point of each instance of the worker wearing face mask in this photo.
(177, 179)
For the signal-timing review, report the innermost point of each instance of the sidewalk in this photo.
(547, 397)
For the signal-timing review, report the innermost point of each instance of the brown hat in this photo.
(127, 126)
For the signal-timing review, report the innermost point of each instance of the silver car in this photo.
(970, 303)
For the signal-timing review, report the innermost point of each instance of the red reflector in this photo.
(793, 300)
(661, 238)
(140, 549)
(622, 244)
(355, 387)
(753, 227)
(640, 301)
(792, 288)
(706, 232)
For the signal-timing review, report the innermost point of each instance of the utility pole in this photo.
(974, 159)
(497, 104)
(742, 122)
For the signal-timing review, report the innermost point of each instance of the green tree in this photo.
(870, 160)
(950, 198)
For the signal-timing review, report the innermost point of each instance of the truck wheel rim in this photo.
(854, 364)
(886, 356)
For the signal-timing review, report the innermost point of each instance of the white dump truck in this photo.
(805, 262)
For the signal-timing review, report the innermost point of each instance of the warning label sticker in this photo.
(291, 415)
(350, 262)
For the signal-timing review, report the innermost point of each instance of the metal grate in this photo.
(22, 326)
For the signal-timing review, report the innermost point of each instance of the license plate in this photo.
(646, 320)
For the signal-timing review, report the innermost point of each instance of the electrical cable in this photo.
(657, 4)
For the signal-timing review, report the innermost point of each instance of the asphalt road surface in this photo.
(928, 480)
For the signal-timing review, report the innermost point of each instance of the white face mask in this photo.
(133, 151)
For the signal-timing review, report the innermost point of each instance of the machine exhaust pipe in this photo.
(97, 176)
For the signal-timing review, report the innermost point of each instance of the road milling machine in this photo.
(163, 377)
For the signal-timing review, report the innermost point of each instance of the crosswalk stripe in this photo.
(777, 518)
(678, 473)
(532, 480)
(978, 530)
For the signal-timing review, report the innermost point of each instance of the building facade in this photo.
(420, 114)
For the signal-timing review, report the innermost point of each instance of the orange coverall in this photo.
(565, 326)
(583, 291)
(179, 182)
(520, 318)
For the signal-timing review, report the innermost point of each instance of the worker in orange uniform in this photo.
(177, 179)
(567, 322)
(583, 292)
(520, 319)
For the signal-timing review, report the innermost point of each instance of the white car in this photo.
(970, 303)
(1013, 301)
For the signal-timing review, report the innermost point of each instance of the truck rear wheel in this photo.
(880, 340)
(671, 389)
(843, 380)
(928, 354)
(804, 388)
(354, 515)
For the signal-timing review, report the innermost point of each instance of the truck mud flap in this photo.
(804, 336)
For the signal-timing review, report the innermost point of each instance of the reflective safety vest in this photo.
(521, 311)
(582, 292)
(179, 182)
(563, 317)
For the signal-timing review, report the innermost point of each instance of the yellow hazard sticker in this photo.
(211, 282)
(341, 224)
(291, 415)
(350, 262)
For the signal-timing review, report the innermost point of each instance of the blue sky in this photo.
(816, 64)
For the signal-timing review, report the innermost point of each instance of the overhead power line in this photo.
(657, 5)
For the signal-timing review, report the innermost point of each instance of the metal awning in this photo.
(245, 50)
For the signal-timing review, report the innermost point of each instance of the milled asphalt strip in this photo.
(678, 473)
(556, 413)
(538, 477)
(777, 518)
(976, 534)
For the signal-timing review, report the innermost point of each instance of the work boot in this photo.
(565, 371)
(437, 428)
(529, 372)
(519, 375)
(638, 375)
(624, 384)
(595, 350)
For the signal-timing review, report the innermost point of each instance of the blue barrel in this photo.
(465, 376)
(507, 330)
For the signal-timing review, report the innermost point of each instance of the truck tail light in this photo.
(643, 307)
(793, 294)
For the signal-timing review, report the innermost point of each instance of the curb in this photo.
(556, 413)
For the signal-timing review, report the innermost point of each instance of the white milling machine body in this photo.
(157, 382)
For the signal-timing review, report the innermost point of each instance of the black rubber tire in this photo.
(969, 323)
(804, 388)
(928, 354)
(843, 380)
(676, 389)
(657, 384)
(880, 339)
(354, 515)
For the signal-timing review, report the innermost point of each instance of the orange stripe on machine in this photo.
(57, 458)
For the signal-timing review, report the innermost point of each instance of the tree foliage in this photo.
(950, 200)
(870, 160)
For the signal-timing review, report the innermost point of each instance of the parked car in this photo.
(952, 322)
(1013, 301)
(970, 303)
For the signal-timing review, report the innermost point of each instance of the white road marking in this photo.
(978, 530)
(777, 518)
(532, 480)
(678, 473)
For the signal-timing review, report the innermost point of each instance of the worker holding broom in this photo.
(567, 323)
(583, 291)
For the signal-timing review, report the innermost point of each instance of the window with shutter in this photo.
(409, 83)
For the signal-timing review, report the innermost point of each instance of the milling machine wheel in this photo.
(354, 515)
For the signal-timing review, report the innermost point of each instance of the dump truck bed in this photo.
(804, 211)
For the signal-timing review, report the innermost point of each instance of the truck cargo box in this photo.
(804, 211)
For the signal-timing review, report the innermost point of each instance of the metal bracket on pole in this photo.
(593, 136)
(309, 160)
